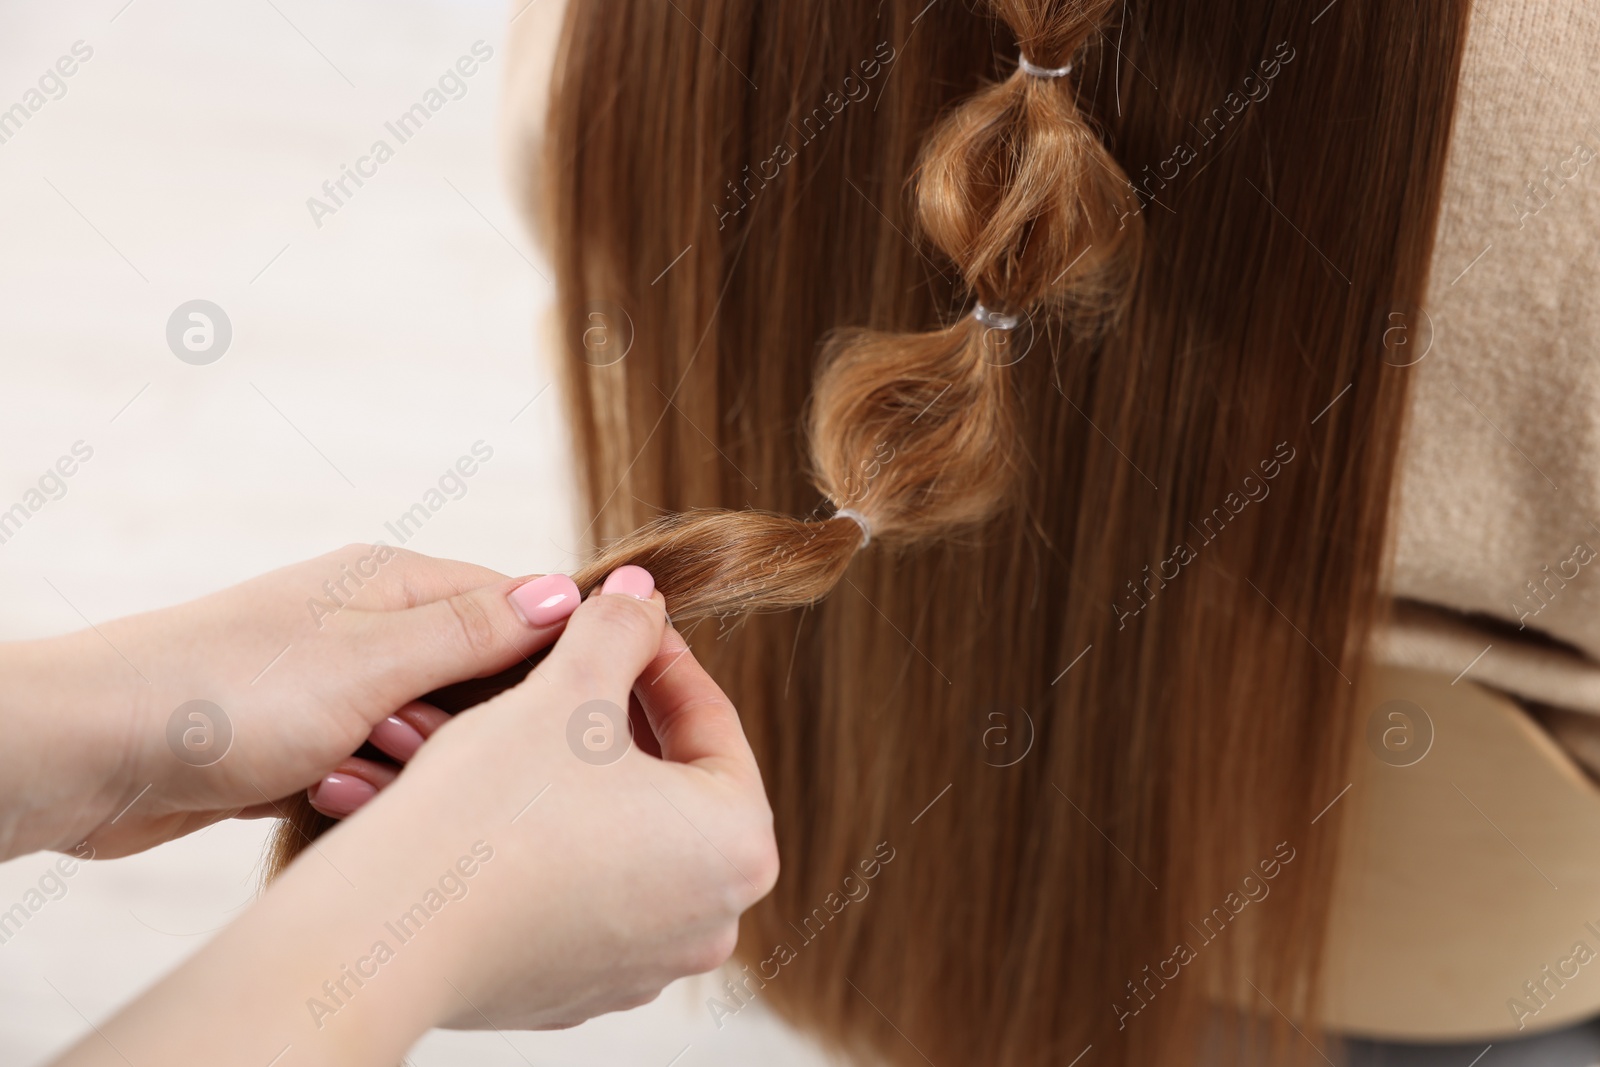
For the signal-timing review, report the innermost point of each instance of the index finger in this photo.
(690, 714)
(380, 577)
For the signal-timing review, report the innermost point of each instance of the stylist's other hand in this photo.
(152, 726)
(600, 872)
(517, 875)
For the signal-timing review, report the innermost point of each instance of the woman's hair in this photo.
(1045, 637)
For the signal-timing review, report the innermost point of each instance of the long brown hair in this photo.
(1098, 599)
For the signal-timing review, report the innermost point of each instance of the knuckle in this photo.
(582, 674)
(402, 578)
(768, 867)
(367, 570)
(474, 629)
(759, 861)
(624, 618)
(711, 951)
(345, 556)
(641, 997)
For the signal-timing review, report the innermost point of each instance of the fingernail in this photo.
(545, 600)
(630, 581)
(397, 738)
(341, 794)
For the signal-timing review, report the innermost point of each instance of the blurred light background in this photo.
(368, 352)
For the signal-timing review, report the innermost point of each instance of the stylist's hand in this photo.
(304, 664)
(514, 876)
(614, 872)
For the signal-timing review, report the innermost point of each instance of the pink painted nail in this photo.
(341, 794)
(397, 738)
(545, 600)
(630, 581)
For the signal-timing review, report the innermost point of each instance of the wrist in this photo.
(252, 992)
(69, 754)
(317, 964)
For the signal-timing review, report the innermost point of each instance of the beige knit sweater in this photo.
(1497, 534)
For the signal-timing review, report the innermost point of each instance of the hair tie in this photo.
(860, 520)
(996, 320)
(1042, 72)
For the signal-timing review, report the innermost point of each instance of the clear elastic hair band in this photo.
(860, 520)
(1028, 67)
(996, 320)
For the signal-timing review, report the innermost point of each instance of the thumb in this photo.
(691, 716)
(474, 633)
(612, 637)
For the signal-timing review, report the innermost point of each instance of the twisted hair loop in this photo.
(914, 434)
